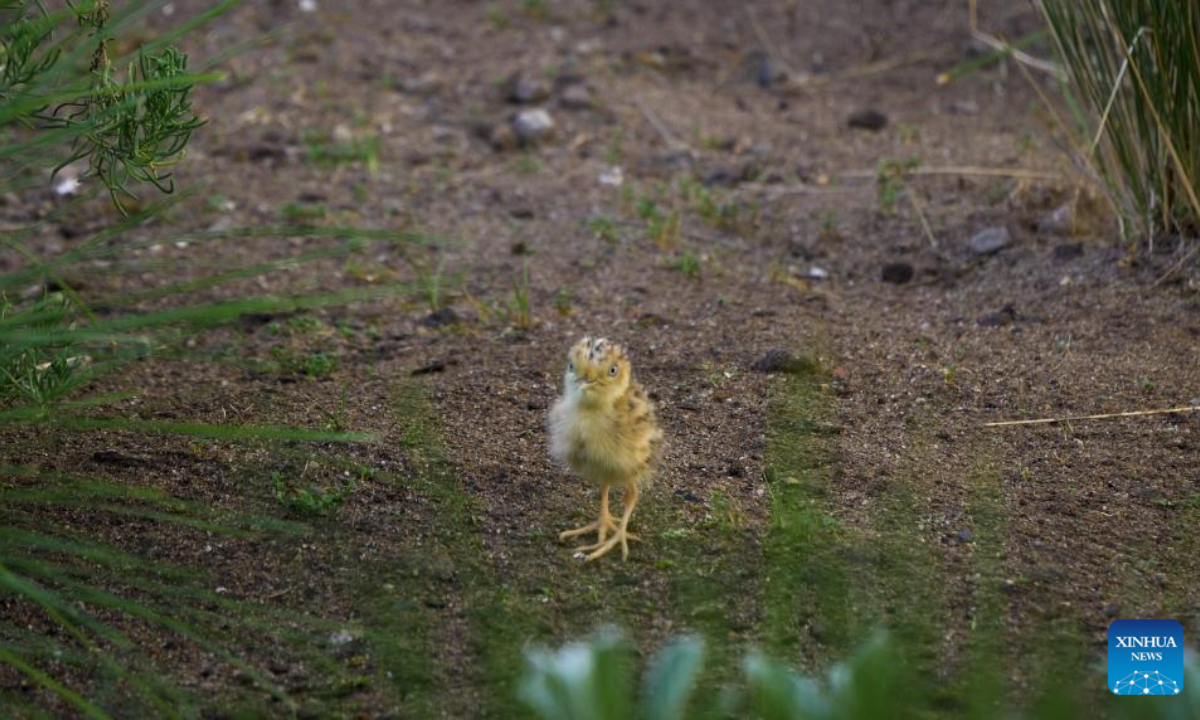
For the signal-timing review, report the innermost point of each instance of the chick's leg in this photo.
(602, 526)
(622, 535)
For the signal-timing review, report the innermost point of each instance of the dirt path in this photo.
(800, 503)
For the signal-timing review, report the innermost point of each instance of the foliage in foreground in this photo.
(129, 118)
(1134, 67)
(76, 604)
(592, 680)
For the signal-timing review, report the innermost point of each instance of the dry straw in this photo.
(1102, 416)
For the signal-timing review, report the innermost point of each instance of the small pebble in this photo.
(533, 125)
(990, 240)
(67, 186)
(436, 366)
(612, 177)
(1068, 251)
(763, 70)
(575, 96)
(1006, 315)
(1059, 221)
(782, 361)
(526, 89)
(897, 273)
(868, 119)
(443, 316)
(964, 107)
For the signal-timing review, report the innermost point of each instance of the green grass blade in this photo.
(75, 699)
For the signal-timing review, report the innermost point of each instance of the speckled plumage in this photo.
(604, 429)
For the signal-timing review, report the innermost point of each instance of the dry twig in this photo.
(1103, 416)
(663, 131)
(777, 191)
(771, 50)
(1020, 56)
(965, 170)
(912, 198)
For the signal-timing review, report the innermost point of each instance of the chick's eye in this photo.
(612, 371)
(570, 367)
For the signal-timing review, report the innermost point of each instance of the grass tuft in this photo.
(1134, 70)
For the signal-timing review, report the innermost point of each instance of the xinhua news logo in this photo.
(1145, 657)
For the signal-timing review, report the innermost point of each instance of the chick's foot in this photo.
(621, 537)
(602, 527)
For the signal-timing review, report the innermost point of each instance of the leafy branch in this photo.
(130, 120)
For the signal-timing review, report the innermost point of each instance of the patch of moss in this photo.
(501, 620)
(979, 685)
(808, 610)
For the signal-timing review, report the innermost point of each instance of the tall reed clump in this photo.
(1134, 71)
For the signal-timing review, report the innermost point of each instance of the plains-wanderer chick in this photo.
(603, 428)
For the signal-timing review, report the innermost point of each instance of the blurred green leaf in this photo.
(581, 681)
(671, 678)
(779, 694)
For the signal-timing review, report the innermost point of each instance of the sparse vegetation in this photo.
(536, 9)
(830, 228)
(496, 17)
(889, 182)
(689, 265)
(520, 304)
(604, 227)
(313, 364)
(432, 279)
(309, 500)
(324, 150)
(662, 228)
(949, 373)
(721, 212)
(725, 512)
(562, 301)
(614, 152)
(527, 164)
(303, 213)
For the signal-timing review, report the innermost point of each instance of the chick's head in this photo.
(597, 369)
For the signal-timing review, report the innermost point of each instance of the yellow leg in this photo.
(602, 526)
(622, 534)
